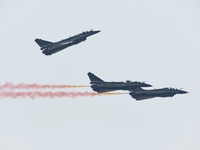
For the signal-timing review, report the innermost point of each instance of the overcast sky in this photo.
(140, 40)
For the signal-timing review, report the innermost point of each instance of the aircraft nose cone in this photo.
(95, 32)
(182, 92)
(92, 32)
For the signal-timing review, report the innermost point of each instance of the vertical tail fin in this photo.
(43, 43)
(94, 79)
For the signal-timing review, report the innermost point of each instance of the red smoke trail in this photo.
(37, 94)
(12, 86)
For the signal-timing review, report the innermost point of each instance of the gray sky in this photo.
(153, 41)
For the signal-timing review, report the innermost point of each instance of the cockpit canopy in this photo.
(166, 88)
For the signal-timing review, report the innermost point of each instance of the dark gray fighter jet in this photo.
(49, 48)
(101, 86)
(141, 94)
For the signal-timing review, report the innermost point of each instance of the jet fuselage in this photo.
(112, 86)
(101, 86)
(141, 94)
(49, 48)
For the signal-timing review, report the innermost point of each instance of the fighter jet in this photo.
(49, 48)
(141, 94)
(101, 86)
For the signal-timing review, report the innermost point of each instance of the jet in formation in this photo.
(141, 94)
(49, 48)
(101, 86)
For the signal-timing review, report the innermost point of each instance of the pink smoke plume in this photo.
(12, 86)
(37, 94)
